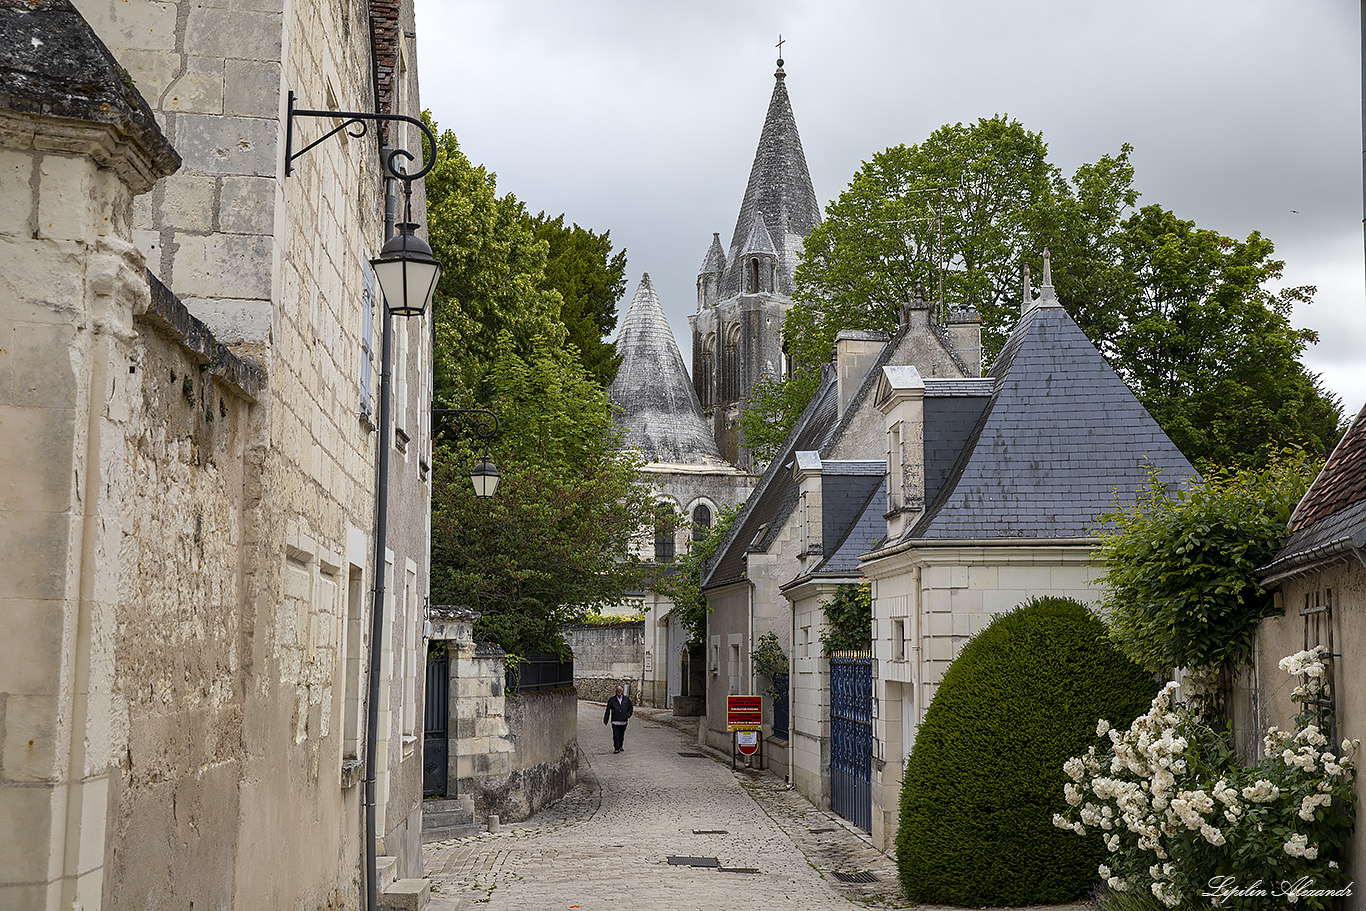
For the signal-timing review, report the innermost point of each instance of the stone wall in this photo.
(191, 634)
(511, 755)
(608, 655)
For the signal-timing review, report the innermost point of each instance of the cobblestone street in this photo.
(606, 845)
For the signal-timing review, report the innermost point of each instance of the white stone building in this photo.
(190, 504)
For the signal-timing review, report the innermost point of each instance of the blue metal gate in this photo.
(851, 736)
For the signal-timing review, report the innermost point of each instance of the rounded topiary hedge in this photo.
(985, 776)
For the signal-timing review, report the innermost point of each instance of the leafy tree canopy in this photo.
(590, 279)
(1180, 565)
(1183, 314)
(848, 619)
(555, 540)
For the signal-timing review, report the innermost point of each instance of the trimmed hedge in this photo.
(985, 776)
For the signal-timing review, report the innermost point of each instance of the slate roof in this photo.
(759, 240)
(864, 525)
(1061, 439)
(655, 401)
(780, 190)
(715, 260)
(1331, 518)
(53, 64)
(776, 495)
(818, 428)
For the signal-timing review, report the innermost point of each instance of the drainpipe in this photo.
(381, 545)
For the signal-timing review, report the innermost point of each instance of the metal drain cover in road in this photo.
(819, 831)
(694, 755)
(677, 861)
(862, 876)
(739, 869)
(711, 831)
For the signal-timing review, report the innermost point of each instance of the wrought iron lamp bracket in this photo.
(355, 123)
(485, 423)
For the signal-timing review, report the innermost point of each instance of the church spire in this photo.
(779, 190)
(653, 398)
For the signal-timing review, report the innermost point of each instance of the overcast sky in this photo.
(642, 118)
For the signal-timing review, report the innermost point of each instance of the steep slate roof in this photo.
(715, 260)
(1061, 439)
(655, 401)
(780, 190)
(863, 523)
(1331, 519)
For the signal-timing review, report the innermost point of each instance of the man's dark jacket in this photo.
(619, 708)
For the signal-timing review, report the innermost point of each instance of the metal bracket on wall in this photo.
(355, 123)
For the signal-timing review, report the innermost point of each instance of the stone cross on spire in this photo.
(779, 46)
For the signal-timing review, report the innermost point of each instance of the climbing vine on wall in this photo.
(849, 619)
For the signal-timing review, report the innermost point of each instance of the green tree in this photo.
(681, 581)
(1208, 348)
(556, 539)
(493, 276)
(590, 278)
(1185, 315)
(1180, 564)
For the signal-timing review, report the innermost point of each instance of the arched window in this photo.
(701, 521)
(664, 533)
(754, 274)
(730, 366)
(706, 373)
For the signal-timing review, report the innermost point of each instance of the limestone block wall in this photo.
(607, 655)
(71, 288)
(211, 70)
(809, 702)
(928, 602)
(511, 755)
(1264, 700)
(277, 268)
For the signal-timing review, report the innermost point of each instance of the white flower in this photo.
(1104, 871)
(1295, 847)
(1072, 794)
(1102, 727)
(1118, 883)
(1212, 835)
(1262, 791)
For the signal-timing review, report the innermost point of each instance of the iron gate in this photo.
(851, 736)
(435, 718)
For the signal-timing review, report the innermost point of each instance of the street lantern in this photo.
(407, 272)
(485, 478)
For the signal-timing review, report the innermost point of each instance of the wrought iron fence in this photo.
(538, 672)
(782, 691)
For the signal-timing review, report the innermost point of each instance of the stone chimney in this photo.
(901, 399)
(806, 470)
(855, 351)
(965, 337)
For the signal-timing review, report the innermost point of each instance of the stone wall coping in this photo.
(488, 650)
(173, 319)
(615, 624)
(453, 612)
(61, 89)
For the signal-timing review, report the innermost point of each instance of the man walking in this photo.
(619, 709)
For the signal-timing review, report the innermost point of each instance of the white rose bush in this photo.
(1179, 814)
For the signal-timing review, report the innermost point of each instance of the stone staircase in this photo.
(399, 894)
(443, 819)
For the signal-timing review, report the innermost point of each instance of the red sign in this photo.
(744, 713)
(747, 742)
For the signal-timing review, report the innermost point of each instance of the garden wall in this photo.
(608, 655)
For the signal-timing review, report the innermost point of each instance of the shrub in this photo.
(1184, 821)
(985, 777)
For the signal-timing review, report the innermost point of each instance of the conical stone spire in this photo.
(780, 190)
(654, 399)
